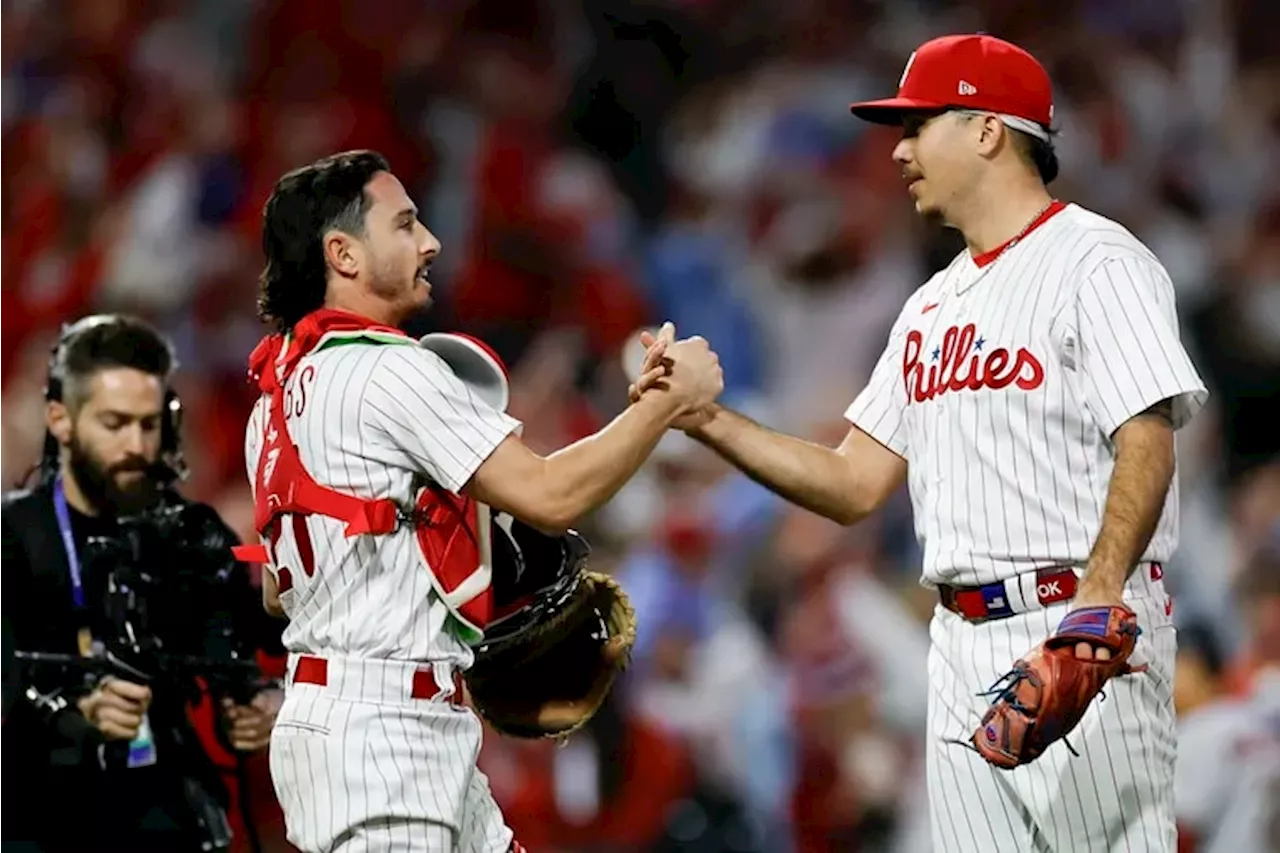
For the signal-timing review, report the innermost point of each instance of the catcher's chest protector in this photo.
(452, 530)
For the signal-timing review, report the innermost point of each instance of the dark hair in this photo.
(305, 204)
(1038, 152)
(101, 342)
(1033, 150)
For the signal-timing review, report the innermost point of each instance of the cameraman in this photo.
(103, 555)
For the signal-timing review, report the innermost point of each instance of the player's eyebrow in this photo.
(407, 214)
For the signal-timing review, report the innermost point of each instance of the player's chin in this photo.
(421, 292)
(920, 197)
(927, 210)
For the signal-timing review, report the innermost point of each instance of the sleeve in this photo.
(253, 442)
(427, 419)
(1130, 352)
(880, 409)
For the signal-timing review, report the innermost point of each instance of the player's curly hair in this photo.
(306, 203)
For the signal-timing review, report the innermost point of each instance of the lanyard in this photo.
(68, 542)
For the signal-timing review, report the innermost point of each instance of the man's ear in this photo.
(991, 134)
(342, 253)
(57, 417)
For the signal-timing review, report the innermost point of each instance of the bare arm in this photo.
(271, 594)
(551, 492)
(1135, 498)
(554, 491)
(845, 483)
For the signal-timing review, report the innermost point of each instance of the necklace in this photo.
(1041, 212)
(989, 256)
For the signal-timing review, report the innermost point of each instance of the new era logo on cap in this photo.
(978, 72)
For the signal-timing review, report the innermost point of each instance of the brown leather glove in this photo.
(1047, 692)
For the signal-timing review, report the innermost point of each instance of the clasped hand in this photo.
(688, 369)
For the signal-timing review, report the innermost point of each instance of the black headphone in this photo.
(170, 465)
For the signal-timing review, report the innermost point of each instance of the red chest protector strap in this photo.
(285, 487)
(283, 484)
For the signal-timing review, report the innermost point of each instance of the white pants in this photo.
(1116, 797)
(358, 765)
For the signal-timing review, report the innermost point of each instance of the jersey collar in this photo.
(988, 257)
(973, 268)
(317, 330)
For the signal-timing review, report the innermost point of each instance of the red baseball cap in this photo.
(975, 72)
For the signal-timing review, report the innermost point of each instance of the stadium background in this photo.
(591, 166)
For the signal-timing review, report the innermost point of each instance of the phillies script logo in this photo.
(961, 363)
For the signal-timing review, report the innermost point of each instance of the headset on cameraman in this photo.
(170, 467)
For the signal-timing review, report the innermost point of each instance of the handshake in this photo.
(688, 370)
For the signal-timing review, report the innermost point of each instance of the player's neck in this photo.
(366, 305)
(993, 218)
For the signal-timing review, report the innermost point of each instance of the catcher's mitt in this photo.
(1047, 692)
(562, 636)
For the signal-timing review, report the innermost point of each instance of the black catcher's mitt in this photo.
(559, 637)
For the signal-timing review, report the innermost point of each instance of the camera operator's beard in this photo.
(99, 484)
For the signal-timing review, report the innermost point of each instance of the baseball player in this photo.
(373, 749)
(1028, 396)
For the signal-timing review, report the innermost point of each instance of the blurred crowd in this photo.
(592, 166)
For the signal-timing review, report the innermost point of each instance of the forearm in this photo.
(583, 476)
(1135, 499)
(271, 594)
(807, 474)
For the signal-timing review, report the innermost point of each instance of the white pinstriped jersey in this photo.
(1002, 383)
(374, 421)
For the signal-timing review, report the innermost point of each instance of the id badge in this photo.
(142, 749)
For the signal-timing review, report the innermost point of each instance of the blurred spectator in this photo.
(1228, 783)
(610, 788)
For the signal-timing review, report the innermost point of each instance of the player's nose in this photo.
(903, 152)
(428, 243)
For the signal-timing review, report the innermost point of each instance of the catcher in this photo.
(387, 481)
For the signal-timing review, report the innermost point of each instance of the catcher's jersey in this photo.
(1002, 382)
(374, 421)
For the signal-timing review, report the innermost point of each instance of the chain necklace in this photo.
(985, 261)
(1027, 228)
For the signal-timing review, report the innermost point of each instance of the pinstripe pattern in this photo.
(988, 468)
(377, 419)
(1001, 386)
(1115, 798)
(410, 766)
(356, 764)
